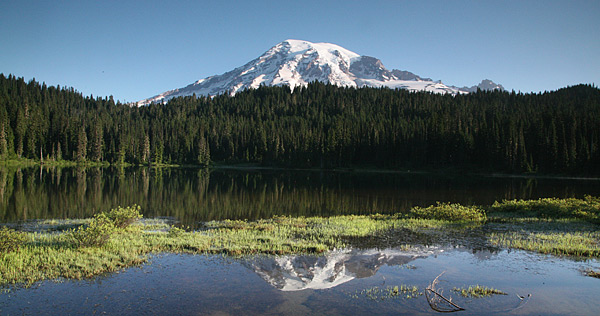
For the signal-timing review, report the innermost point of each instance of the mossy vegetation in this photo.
(117, 239)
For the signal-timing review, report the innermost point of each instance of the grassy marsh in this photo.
(54, 250)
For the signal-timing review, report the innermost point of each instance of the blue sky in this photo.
(137, 49)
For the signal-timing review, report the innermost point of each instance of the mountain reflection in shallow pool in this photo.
(193, 195)
(216, 285)
(295, 273)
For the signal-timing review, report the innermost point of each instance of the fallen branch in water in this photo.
(438, 299)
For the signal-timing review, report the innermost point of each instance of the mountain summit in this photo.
(296, 63)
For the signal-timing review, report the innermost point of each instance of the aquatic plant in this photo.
(477, 291)
(11, 240)
(593, 274)
(380, 294)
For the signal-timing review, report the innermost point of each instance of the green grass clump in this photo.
(478, 291)
(587, 209)
(449, 212)
(11, 240)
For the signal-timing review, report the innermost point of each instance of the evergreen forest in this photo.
(318, 126)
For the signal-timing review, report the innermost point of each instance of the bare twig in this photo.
(434, 300)
(524, 300)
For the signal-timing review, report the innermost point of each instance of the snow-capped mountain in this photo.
(485, 84)
(294, 273)
(296, 63)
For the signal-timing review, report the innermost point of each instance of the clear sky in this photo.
(137, 49)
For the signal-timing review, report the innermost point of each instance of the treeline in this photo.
(320, 125)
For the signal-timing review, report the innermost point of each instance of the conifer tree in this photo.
(81, 145)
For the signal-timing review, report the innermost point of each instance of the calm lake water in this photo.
(194, 195)
(335, 283)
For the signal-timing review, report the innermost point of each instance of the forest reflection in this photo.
(192, 195)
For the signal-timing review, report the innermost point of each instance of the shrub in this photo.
(123, 217)
(449, 212)
(96, 233)
(11, 240)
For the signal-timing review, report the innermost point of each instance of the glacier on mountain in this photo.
(296, 63)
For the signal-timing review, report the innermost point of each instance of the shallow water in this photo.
(321, 285)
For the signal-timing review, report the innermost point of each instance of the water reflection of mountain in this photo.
(294, 273)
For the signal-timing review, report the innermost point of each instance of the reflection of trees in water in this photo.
(193, 195)
(81, 176)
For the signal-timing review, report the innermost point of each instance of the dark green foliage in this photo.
(315, 126)
(11, 240)
(123, 217)
(449, 212)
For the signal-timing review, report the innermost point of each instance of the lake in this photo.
(356, 281)
(190, 196)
